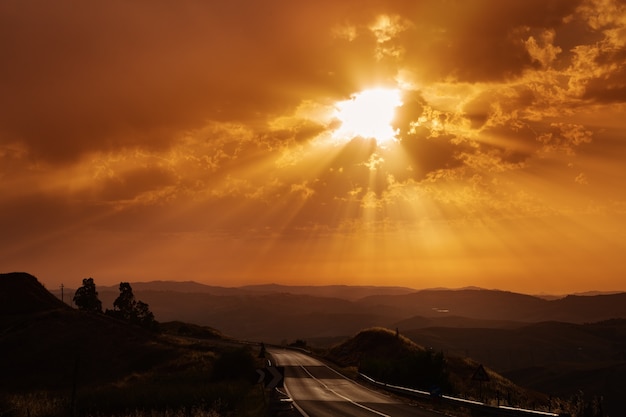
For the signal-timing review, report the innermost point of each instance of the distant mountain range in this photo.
(275, 313)
(347, 292)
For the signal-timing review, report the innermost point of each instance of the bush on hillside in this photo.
(389, 357)
(234, 364)
(419, 369)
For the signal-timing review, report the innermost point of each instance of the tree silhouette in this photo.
(144, 316)
(86, 297)
(124, 304)
(126, 308)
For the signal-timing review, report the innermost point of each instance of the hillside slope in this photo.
(503, 305)
(46, 343)
(392, 358)
(563, 359)
(22, 293)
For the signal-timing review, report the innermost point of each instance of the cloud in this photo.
(564, 137)
(212, 122)
(581, 179)
(481, 40)
(542, 48)
(386, 29)
(72, 84)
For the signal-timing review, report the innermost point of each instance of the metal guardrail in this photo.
(486, 409)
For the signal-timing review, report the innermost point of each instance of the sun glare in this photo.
(368, 114)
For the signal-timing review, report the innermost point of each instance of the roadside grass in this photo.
(183, 387)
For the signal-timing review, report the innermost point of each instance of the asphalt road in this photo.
(319, 391)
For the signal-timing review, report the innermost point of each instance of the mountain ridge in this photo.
(347, 291)
(274, 312)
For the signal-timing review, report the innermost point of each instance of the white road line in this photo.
(295, 404)
(345, 398)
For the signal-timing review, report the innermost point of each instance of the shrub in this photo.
(234, 364)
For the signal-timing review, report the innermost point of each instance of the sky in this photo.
(431, 143)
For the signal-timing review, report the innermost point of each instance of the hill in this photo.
(45, 338)
(562, 359)
(58, 361)
(22, 293)
(346, 292)
(373, 342)
(508, 306)
(389, 357)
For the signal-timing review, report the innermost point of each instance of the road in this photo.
(319, 391)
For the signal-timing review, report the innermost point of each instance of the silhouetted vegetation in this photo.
(86, 297)
(189, 330)
(389, 357)
(183, 386)
(236, 364)
(299, 343)
(126, 308)
(419, 369)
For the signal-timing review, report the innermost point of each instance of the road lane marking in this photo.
(341, 396)
(295, 404)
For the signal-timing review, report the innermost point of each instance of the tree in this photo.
(86, 297)
(144, 316)
(125, 303)
(126, 308)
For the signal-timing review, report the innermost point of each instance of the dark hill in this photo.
(346, 292)
(506, 349)
(22, 293)
(479, 304)
(46, 344)
(419, 322)
(559, 358)
(392, 358)
(586, 309)
(374, 342)
(503, 305)
(179, 286)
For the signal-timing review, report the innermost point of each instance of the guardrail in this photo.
(485, 409)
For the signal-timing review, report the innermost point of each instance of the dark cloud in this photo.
(431, 154)
(33, 221)
(610, 89)
(137, 181)
(478, 40)
(82, 77)
(412, 108)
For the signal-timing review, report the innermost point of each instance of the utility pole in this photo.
(62, 293)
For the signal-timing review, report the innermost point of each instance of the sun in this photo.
(368, 114)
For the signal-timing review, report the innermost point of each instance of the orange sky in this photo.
(198, 140)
